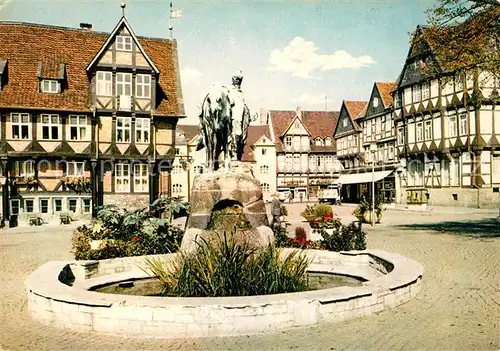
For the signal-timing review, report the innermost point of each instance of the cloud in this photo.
(190, 75)
(3, 3)
(300, 59)
(309, 99)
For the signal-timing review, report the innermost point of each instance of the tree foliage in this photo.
(465, 34)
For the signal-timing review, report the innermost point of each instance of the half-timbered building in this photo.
(305, 151)
(87, 118)
(448, 131)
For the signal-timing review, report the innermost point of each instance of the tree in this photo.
(464, 34)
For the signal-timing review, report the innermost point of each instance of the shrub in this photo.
(225, 268)
(317, 211)
(300, 235)
(365, 205)
(343, 238)
(126, 233)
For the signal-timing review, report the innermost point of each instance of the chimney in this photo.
(298, 111)
(86, 26)
(263, 116)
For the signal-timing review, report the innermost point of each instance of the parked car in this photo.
(331, 196)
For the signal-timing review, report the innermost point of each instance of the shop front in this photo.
(357, 185)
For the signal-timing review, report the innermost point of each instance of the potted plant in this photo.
(316, 212)
(78, 184)
(365, 208)
(27, 181)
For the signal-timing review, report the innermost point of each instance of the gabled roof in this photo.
(254, 134)
(292, 121)
(123, 22)
(186, 133)
(355, 109)
(385, 89)
(25, 44)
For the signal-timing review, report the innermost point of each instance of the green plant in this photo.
(366, 205)
(317, 211)
(225, 268)
(77, 184)
(343, 238)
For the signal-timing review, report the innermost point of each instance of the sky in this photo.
(311, 54)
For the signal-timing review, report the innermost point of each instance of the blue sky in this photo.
(292, 53)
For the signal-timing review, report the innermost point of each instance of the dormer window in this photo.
(50, 86)
(319, 142)
(328, 142)
(123, 43)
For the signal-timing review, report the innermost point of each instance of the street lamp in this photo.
(373, 150)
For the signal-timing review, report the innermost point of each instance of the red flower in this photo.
(135, 238)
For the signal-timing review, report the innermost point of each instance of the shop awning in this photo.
(362, 177)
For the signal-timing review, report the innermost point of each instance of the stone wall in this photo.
(129, 201)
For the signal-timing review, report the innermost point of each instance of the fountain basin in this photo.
(59, 294)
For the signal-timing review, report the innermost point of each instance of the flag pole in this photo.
(170, 26)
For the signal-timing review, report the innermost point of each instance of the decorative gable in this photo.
(263, 141)
(296, 127)
(124, 44)
(375, 104)
(345, 123)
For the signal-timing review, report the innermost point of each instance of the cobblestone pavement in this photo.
(458, 308)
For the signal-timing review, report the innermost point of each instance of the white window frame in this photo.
(265, 187)
(463, 124)
(84, 210)
(75, 168)
(123, 43)
(23, 123)
(104, 83)
(425, 91)
(141, 178)
(52, 123)
(123, 84)
(397, 100)
(452, 127)
(54, 207)
(76, 205)
(428, 130)
(344, 122)
(177, 188)
(143, 86)
(123, 125)
(25, 168)
(328, 142)
(122, 178)
(25, 209)
(417, 93)
(142, 130)
(40, 204)
(80, 128)
(177, 169)
(264, 169)
(288, 142)
(50, 86)
(458, 83)
(263, 151)
(401, 135)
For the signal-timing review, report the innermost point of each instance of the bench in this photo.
(35, 219)
(65, 218)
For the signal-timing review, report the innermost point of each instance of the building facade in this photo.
(448, 132)
(87, 118)
(305, 152)
(259, 153)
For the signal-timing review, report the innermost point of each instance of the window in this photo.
(123, 84)
(86, 206)
(296, 142)
(143, 86)
(75, 169)
(391, 152)
(78, 127)
(57, 205)
(463, 124)
(397, 101)
(177, 151)
(420, 132)
(44, 205)
(122, 178)
(459, 83)
(177, 189)
(288, 141)
(177, 169)
(401, 139)
(104, 83)
(297, 125)
(319, 142)
(50, 86)
(141, 178)
(428, 130)
(142, 130)
(263, 151)
(50, 127)
(452, 126)
(289, 162)
(123, 129)
(375, 102)
(264, 169)
(72, 205)
(14, 206)
(328, 142)
(198, 169)
(296, 162)
(123, 43)
(425, 91)
(265, 187)
(28, 205)
(25, 168)
(416, 93)
(344, 122)
(20, 125)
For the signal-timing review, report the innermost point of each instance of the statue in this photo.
(224, 121)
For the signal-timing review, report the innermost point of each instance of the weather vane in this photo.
(173, 14)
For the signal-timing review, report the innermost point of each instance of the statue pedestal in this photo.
(234, 193)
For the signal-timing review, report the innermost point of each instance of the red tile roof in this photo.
(385, 89)
(355, 108)
(24, 45)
